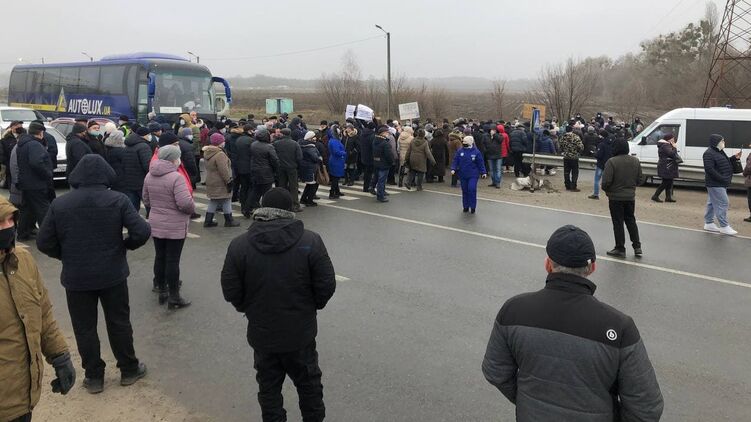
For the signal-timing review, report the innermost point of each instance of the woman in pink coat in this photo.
(168, 196)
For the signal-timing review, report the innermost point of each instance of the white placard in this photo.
(409, 111)
(170, 110)
(350, 112)
(364, 113)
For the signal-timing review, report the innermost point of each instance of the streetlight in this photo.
(198, 59)
(388, 68)
(90, 58)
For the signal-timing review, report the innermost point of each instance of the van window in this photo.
(736, 133)
(661, 131)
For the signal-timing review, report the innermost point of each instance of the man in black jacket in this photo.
(84, 229)
(620, 177)
(7, 143)
(279, 275)
(34, 179)
(75, 148)
(366, 154)
(518, 145)
(136, 161)
(559, 354)
(383, 159)
(242, 163)
(264, 165)
(718, 171)
(290, 155)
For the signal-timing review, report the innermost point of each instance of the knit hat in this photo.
(169, 152)
(142, 131)
(309, 135)
(115, 139)
(36, 127)
(468, 140)
(154, 127)
(92, 123)
(382, 128)
(185, 132)
(591, 129)
(571, 247)
(216, 139)
(277, 198)
(168, 138)
(263, 135)
(78, 128)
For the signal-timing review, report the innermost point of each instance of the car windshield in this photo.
(182, 93)
(21, 115)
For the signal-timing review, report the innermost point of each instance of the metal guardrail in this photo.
(649, 170)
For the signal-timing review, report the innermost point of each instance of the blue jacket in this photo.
(604, 152)
(383, 157)
(718, 172)
(545, 145)
(468, 163)
(337, 157)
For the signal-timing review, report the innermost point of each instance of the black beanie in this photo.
(93, 123)
(277, 198)
(168, 138)
(78, 128)
(142, 131)
(571, 247)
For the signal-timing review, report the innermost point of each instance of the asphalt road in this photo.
(404, 335)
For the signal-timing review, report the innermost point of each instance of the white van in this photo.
(692, 127)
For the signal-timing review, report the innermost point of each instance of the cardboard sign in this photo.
(350, 112)
(409, 111)
(527, 110)
(363, 112)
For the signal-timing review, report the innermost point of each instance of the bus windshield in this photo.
(181, 93)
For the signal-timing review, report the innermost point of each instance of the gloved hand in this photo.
(453, 172)
(66, 374)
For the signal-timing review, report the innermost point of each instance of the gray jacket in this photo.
(559, 354)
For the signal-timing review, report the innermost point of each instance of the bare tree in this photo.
(498, 95)
(438, 102)
(340, 89)
(565, 89)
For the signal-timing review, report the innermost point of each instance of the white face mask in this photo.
(189, 137)
(182, 122)
(721, 145)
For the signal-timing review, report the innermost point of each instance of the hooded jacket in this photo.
(34, 164)
(518, 140)
(218, 173)
(84, 229)
(718, 170)
(418, 155)
(311, 158)
(28, 331)
(506, 142)
(545, 145)
(75, 149)
(165, 192)
(352, 147)
(578, 360)
(604, 152)
(279, 275)
(136, 160)
(196, 132)
(622, 174)
(454, 145)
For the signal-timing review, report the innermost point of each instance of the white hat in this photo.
(468, 140)
(309, 135)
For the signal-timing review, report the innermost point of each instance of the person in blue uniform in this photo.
(469, 165)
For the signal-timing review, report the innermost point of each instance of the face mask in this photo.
(182, 122)
(223, 131)
(721, 145)
(8, 238)
(94, 133)
(189, 137)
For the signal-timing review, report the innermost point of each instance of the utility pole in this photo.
(728, 82)
(198, 59)
(388, 69)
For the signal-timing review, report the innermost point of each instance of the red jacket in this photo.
(505, 148)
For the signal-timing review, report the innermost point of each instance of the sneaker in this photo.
(593, 197)
(728, 231)
(93, 385)
(131, 379)
(638, 252)
(711, 227)
(617, 253)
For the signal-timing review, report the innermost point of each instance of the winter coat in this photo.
(667, 167)
(84, 229)
(578, 360)
(493, 147)
(337, 157)
(196, 132)
(264, 162)
(718, 170)
(404, 141)
(28, 332)
(115, 156)
(136, 162)
(352, 147)
(571, 146)
(454, 145)
(439, 147)
(468, 163)
(366, 148)
(96, 145)
(590, 141)
(505, 143)
(170, 201)
(418, 155)
(75, 149)
(288, 152)
(188, 160)
(242, 153)
(310, 161)
(747, 171)
(518, 140)
(7, 144)
(545, 145)
(279, 275)
(34, 165)
(218, 173)
(229, 146)
(383, 154)
(604, 152)
(621, 176)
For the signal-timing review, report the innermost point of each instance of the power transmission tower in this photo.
(729, 80)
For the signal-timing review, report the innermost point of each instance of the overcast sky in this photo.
(484, 38)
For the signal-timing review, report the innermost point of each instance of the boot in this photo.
(175, 301)
(229, 221)
(209, 221)
(163, 294)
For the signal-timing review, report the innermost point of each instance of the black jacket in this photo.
(75, 149)
(188, 158)
(366, 147)
(230, 146)
(559, 354)
(604, 152)
(493, 147)
(7, 144)
(34, 165)
(51, 145)
(264, 163)
(352, 147)
(135, 162)
(84, 229)
(242, 154)
(288, 152)
(718, 170)
(311, 158)
(115, 160)
(590, 141)
(279, 275)
(518, 141)
(383, 157)
(96, 145)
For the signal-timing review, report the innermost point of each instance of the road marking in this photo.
(540, 207)
(193, 236)
(536, 245)
(341, 278)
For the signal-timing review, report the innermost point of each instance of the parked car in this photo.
(65, 124)
(12, 114)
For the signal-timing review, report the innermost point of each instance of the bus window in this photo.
(179, 93)
(111, 81)
(88, 81)
(661, 131)
(51, 82)
(69, 79)
(18, 81)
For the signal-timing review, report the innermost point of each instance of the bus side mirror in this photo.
(643, 140)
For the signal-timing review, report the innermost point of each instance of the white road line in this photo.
(341, 278)
(540, 207)
(536, 245)
(193, 236)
